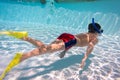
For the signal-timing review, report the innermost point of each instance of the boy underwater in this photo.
(64, 42)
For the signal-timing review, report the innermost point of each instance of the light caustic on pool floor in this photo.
(103, 63)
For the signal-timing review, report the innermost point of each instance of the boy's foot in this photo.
(13, 63)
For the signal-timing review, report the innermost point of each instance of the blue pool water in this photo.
(45, 23)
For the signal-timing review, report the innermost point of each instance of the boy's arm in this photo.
(88, 51)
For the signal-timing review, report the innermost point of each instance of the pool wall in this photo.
(76, 15)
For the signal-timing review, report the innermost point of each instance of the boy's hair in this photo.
(91, 27)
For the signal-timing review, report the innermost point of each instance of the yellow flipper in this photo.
(13, 63)
(15, 34)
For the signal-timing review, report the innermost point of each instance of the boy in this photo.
(65, 41)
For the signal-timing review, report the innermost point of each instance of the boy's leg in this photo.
(33, 41)
(55, 46)
(27, 55)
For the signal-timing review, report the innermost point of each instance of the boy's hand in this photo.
(62, 54)
(82, 65)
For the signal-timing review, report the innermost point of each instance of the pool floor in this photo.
(103, 63)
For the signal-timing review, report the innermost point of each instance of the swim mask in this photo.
(95, 27)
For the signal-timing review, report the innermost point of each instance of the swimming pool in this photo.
(46, 22)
